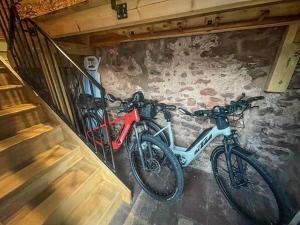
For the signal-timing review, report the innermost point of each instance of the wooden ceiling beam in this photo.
(76, 48)
(103, 40)
(102, 17)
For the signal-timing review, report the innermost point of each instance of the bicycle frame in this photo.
(187, 155)
(128, 119)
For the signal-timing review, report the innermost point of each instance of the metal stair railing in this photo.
(58, 80)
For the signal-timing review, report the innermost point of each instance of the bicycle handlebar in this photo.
(163, 107)
(127, 104)
(224, 110)
(204, 112)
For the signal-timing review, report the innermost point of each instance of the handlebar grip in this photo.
(252, 99)
(184, 111)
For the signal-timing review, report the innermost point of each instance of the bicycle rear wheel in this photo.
(94, 133)
(256, 194)
(162, 176)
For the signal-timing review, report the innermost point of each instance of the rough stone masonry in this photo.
(198, 72)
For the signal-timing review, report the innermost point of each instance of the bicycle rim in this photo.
(159, 179)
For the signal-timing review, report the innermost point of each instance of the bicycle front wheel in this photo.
(151, 127)
(254, 192)
(161, 175)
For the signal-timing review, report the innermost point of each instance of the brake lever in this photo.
(185, 112)
(256, 106)
(243, 96)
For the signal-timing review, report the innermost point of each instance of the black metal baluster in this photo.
(52, 74)
(35, 56)
(18, 39)
(12, 50)
(5, 30)
(82, 111)
(63, 74)
(107, 129)
(64, 104)
(54, 98)
(32, 61)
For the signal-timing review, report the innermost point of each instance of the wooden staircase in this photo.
(47, 175)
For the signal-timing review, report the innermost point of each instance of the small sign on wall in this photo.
(91, 64)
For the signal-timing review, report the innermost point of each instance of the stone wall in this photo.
(201, 71)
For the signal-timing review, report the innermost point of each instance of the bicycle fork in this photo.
(141, 148)
(233, 182)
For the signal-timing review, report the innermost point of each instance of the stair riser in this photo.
(17, 154)
(18, 197)
(4, 78)
(3, 46)
(109, 214)
(3, 69)
(77, 197)
(11, 124)
(12, 97)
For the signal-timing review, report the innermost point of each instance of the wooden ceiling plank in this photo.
(277, 15)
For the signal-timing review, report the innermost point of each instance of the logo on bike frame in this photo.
(204, 142)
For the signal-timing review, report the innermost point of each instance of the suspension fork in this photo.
(137, 135)
(145, 131)
(228, 150)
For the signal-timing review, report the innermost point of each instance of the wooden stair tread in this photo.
(11, 180)
(43, 205)
(23, 146)
(25, 134)
(17, 109)
(18, 117)
(102, 201)
(10, 86)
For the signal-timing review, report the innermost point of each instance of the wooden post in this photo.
(285, 62)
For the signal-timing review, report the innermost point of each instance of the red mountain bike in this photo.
(153, 164)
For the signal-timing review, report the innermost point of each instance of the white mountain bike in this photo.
(245, 183)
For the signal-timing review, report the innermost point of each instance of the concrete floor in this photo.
(201, 203)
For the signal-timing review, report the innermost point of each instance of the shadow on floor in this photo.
(201, 203)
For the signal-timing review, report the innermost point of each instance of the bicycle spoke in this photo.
(160, 178)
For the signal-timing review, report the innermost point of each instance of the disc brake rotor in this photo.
(153, 165)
